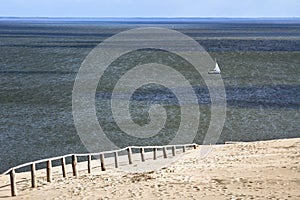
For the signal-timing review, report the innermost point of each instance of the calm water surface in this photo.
(260, 63)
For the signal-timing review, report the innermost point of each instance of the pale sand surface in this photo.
(256, 170)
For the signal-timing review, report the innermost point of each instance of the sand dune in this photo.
(256, 170)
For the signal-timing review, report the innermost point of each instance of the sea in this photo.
(40, 59)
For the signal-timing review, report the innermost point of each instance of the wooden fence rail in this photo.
(74, 157)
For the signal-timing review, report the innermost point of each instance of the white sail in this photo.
(217, 69)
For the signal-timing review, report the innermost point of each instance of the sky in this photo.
(150, 8)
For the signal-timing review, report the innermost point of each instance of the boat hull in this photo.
(214, 72)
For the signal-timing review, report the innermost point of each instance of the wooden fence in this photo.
(12, 171)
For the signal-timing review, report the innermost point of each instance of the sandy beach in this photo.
(254, 170)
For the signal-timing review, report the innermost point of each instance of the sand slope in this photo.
(257, 170)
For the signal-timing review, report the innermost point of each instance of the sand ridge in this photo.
(254, 170)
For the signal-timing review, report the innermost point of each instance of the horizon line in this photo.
(158, 17)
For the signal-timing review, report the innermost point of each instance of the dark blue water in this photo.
(260, 63)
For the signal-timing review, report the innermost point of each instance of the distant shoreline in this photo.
(196, 19)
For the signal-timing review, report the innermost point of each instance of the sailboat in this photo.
(216, 70)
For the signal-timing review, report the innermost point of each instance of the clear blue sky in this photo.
(150, 8)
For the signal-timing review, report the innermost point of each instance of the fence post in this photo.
(129, 155)
(116, 159)
(142, 154)
(49, 171)
(13, 185)
(74, 165)
(173, 150)
(33, 176)
(89, 164)
(165, 152)
(183, 148)
(154, 153)
(102, 162)
(63, 167)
